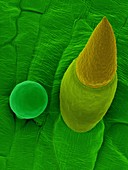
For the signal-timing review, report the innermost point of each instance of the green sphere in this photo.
(28, 100)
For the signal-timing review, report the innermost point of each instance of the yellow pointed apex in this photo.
(97, 63)
(105, 19)
(105, 23)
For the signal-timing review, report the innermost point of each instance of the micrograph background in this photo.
(38, 41)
